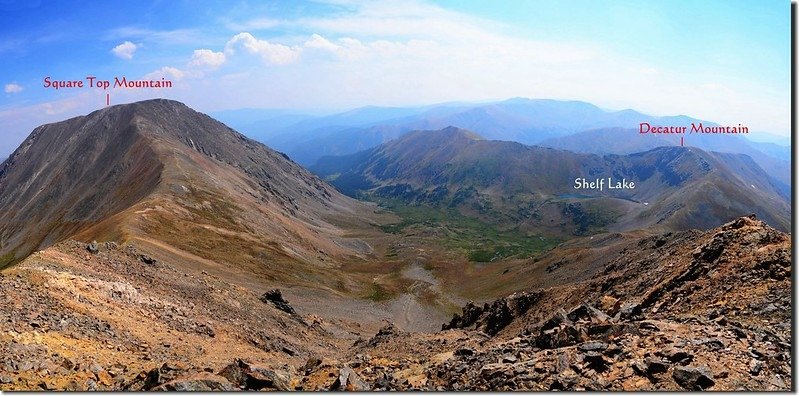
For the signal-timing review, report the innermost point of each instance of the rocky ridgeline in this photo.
(684, 311)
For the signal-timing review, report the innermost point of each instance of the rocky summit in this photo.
(677, 311)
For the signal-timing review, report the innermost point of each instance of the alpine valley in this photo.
(513, 245)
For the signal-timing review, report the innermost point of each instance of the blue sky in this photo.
(726, 61)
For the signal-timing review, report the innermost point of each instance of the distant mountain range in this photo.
(570, 125)
(533, 187)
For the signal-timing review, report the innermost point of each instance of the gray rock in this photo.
(202, 382)
(769, 309)
(613, 350)
(644, 325)
(655, 366)
(739, 332)
(288, 351)
(592, 346)
(595, 360)
(95, 368)
(778, 383)
(587, 312)
(275, 298)
(68, 364)
(251, 377)
(92, 247)
(464, 352)
(91, 385)
(147, 259)
(639, 367)
(693, 378)
(755, 366)
(756, 354)
(714, 344)
(628, 310)
(260, 378)
(559, 318)
(597, 315)
(509, 358)
(579, 312)
(348, 380)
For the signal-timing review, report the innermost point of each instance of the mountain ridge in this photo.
(426, 164)
(626, 141)
(187, 166)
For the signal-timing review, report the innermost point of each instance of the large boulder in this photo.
(200, 382)
(275, 298)
(693, 378)
(252, 377)
(348, 380)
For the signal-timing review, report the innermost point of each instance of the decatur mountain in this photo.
(774, 159)
(533, 187)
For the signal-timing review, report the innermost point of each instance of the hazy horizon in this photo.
(339, 55)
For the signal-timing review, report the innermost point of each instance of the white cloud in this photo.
(125, 50)
(347, 48)
(13, 88)
(277, 54)
(167, 72)
(411, 52)
(207, 58)
(322, 43)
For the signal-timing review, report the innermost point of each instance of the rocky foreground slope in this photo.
(691, 310)
(695, 311)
